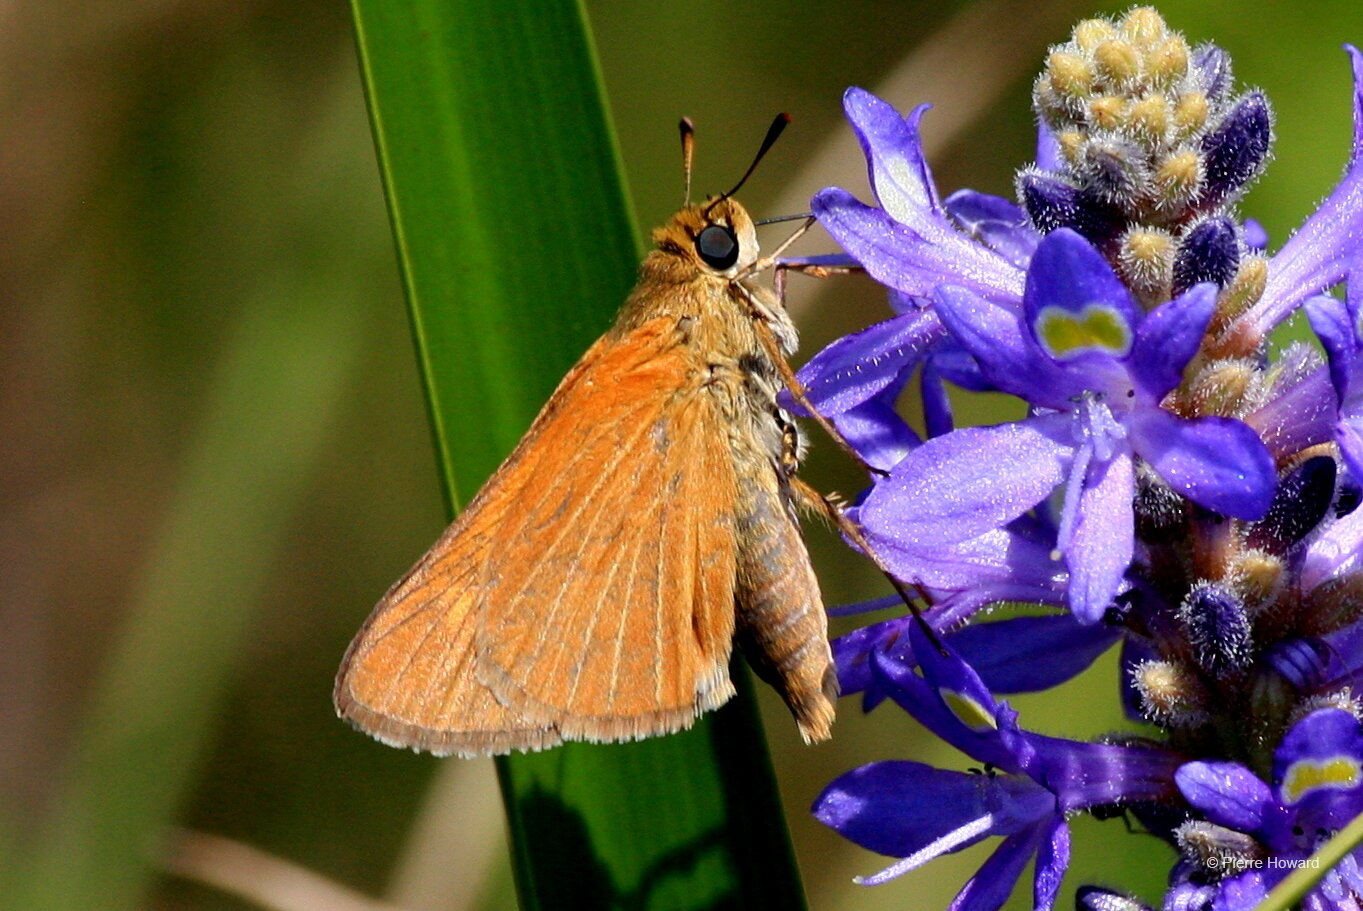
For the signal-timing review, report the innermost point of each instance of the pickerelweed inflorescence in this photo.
(1178, 487)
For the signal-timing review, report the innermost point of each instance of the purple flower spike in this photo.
(1170, 479)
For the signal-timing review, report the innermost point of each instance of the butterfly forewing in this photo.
(625, 629)
(406, 677)
(546, 610)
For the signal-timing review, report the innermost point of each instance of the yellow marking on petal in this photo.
(969, 711)
(1097, 327)
(1304, 776)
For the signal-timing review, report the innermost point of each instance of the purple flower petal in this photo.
(1085, 775)
(1052, 860)
(1246, 891)
(950, 700)
(1168, 338)
(852, 656)
(938, 419)
(1227, 793)
(858, 367)
(1338, 551)
(897, 169)
(896, 256)
(1100, 549)
(1048, 154)
(1029, 654)
(998, 223)
(1069, 274)
(1349, 435)
(1318, 767)
(877, 432)
(971, 208)
(1006, 354)
(1218, 463)
(1301, 411)
(991, 885)
(969, 482)
(1331, 322)
(1024, 566)
(899, 808)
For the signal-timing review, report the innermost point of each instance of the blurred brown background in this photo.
(186, 185)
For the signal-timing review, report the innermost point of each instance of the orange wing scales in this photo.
(623, 603)
(468, 656)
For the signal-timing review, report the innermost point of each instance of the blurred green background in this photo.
(212, 419)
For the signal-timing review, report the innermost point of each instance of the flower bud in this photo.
(1258, 577)
(1190, 113)
(1149, 117)
(1226, 387)
(1070, 74)
(1145, 259)
(1093, 898)
(1167, 62)
(1217, 628)
(1052, 202)
(1117, 62)
(1170, 694)
(1113, 170)
(1090, 33)
(1209, 252)
(1212, 68)
(1222, 852)
(1302, 500)
(1236, 149)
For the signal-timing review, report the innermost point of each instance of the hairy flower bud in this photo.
(1217, 627)
(1220, 851)
(1236, 149)
(1210, 252)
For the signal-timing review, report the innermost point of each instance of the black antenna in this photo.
(778, 126)
(780, 218)
(688, 141)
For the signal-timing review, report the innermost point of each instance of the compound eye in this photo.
(718, 247)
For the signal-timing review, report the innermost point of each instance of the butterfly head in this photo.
(715, 238)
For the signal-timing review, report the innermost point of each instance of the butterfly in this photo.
(595, 586)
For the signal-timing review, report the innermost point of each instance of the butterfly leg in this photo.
(798, 392)
(826, 507)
